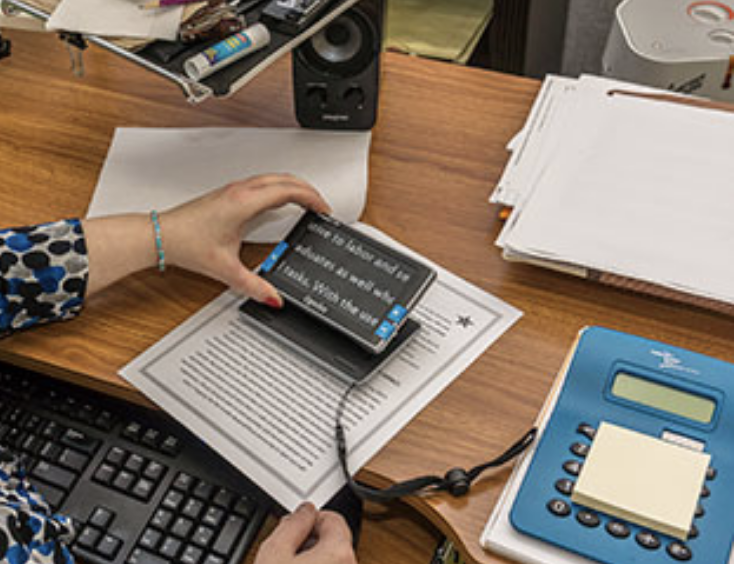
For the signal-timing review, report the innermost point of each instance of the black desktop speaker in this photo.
(336, 72)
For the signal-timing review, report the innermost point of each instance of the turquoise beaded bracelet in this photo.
(158, 241)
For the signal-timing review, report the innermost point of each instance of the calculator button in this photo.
(588, 518)
(693, 533)
(705, 491)
(587, 431)
(679, 551)
(700, 511)
(618, 529)
(580, 449)
(573, 467)
(711, 473)
(559, 508)
(647, 540)
(565, 486)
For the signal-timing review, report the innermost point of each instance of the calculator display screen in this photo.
(665, 398)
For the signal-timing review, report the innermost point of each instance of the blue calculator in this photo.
(652, 388)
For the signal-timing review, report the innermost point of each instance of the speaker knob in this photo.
(316, 96)
(354, 96)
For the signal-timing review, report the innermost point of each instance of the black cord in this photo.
(456, 481)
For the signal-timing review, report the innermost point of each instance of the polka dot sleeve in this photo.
(43, 274)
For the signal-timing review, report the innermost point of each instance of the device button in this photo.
(564, 486)
(693, 533)
(316, 96)
(647, 540)
(580, 449)
(700, 511)
(573, 467)
(705, 491)
(586, 430)
(711, 473)
(588, 518)
(679, 551)
(354, 97)
(618, 529)
(558, 507)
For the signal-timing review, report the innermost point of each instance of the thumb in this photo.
(250, 284)
(294, 529)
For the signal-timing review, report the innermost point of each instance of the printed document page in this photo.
(641, 188)
(271, 413)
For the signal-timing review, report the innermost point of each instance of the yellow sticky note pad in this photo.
(642, 479)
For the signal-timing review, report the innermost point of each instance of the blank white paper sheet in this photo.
(159, 168)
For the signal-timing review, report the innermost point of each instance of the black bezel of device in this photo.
(320, 343)
(392, 316)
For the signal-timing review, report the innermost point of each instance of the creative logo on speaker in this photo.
(335, 118)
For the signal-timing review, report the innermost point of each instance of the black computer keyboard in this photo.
(140, 488)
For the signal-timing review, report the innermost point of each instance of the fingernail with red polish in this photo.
(274, 303)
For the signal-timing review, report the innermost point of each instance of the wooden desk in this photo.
(437, 151)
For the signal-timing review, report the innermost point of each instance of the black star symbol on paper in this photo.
(465, 321)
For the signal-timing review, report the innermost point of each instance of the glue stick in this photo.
(227, 51)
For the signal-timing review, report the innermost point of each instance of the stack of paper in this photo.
(609, 182)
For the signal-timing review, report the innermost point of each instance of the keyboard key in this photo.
(105, 473)
(162, 519)
(73, 460)
(52, 430)
(172, 500)
(170, 445)
(203, 490)
(245, 506)
(151, 438)
(193, 508)
(132, 431)
(81, 441)
(54, 475)
(109, 546)
(213, 559)
(213, 517)
(223, 498)
(51, 451)
(88, 538)
(150, 539)
(140, 556)
(32, 444)
(170, 548)
(135, 463)
(105, 421)
(183, 482)
(53, 495)
(101, 517)
(143, 489)
(116, 456)
(203, 536)
(229, 535)
(154, 471)
(124, 481)
(191, 555)
(182, 527)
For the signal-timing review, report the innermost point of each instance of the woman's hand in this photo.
(307, 536)
(203, 235)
